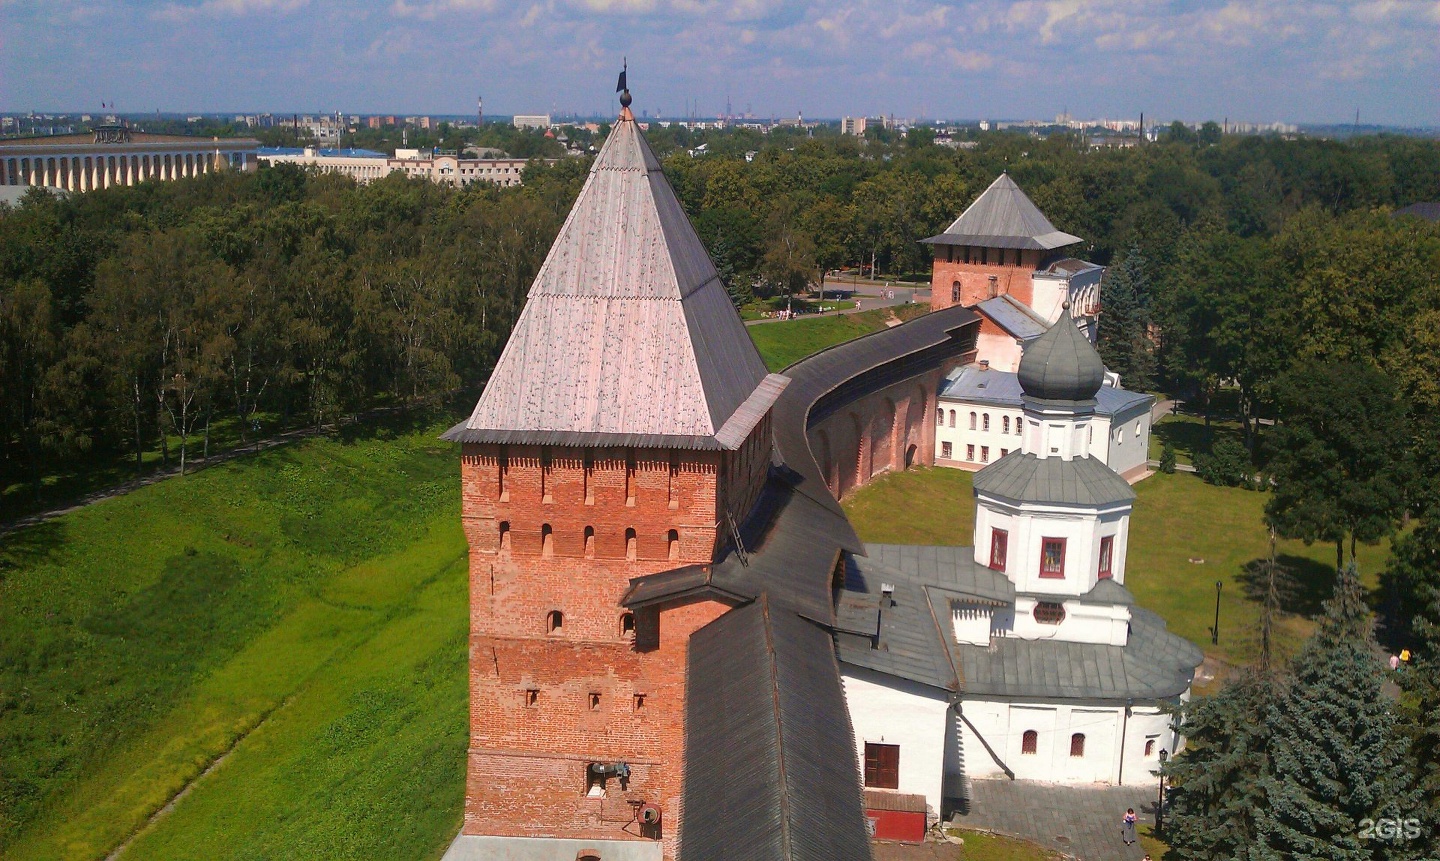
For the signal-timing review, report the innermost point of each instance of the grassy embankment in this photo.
(1178, 521)
(786, 342)
(292, 622)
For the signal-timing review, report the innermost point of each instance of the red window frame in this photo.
(1052, 572)
(882, 765)
(1107, 554)
(999, 548)
(1048, 613)
(1029, 742)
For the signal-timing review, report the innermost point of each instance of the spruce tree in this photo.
(1215, 783)
(1124, 342)
(1337, 756)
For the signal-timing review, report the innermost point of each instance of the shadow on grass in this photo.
(391, 423)
(31, 545)
(1302, 585)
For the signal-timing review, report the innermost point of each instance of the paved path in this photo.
(1083, 822)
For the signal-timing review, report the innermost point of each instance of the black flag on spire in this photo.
(620, 84)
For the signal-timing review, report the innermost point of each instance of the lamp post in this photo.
(1160, 807)
(1215, 631)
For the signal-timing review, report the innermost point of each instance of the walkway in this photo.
(1080, 821)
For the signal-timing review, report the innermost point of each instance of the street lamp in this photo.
(1215, 631)
(1160, 808)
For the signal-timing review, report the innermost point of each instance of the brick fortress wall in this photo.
(561, 675)
(973, 268)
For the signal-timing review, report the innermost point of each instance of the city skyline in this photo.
(1257, 61)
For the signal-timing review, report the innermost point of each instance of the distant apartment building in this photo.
(531, 121)
(853, 126)
(365, 166)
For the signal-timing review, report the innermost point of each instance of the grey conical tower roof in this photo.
(1004, 217)
(628, 337)
(1062, 364)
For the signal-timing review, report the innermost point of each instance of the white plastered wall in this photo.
(886, 709)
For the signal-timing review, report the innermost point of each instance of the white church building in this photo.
(1023, 657)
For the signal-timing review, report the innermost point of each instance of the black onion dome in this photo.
(1061, 365)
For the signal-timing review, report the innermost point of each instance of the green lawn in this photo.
(1177, 518)
(786, 342)
(1189, 436)
(304, 610)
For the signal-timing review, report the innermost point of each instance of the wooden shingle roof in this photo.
(628, 336)
(1004, 217)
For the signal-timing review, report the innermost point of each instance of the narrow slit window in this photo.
(672, 541)
(630, 478)
(531, 698)
(593, 701)
(589, 542)
(588, 470)
(627, 624)
(631, 552)
(639, 702)
(554, 622)
(547, 541)
(504, 535)
(502, 475)
(545, 475)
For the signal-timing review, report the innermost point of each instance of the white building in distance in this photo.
(531, 121)
(365, 166)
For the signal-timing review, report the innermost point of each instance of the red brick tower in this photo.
(626, 427)
(993, 249)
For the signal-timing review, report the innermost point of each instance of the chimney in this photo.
(984, 364)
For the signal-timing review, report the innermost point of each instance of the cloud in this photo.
(180, 12)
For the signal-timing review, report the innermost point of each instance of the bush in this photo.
(1167, 459)
(1227, 464)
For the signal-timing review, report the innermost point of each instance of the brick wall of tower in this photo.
(974, 277)
(548, 530)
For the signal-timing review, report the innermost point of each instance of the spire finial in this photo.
(620, 86)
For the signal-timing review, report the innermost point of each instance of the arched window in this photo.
(952, 418)
(630, 551)
(554, 622)
(547, 540)
(972, 420)
(939, 416)
(504, 535)
(985, 422)
(1149, 747)
(1005, 424)
(627, 624)
(1017, 427)
(1029, 741)
(672, 540)
(955, 292)
(1077, 744)
(589, 542)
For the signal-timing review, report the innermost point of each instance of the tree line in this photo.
(134, 320)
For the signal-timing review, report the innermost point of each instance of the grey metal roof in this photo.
(1023, 477)
(1153, 664)
(627, 330)
(1003, 217)
(1071, 266)
(770, 770)
(1013, 316)
(1428, 210)
(971, 384)
(1062, 364)
(948, 567)
(897, 635)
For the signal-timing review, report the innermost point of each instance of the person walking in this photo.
(1127, 827)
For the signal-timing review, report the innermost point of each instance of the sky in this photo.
(1307, 61)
